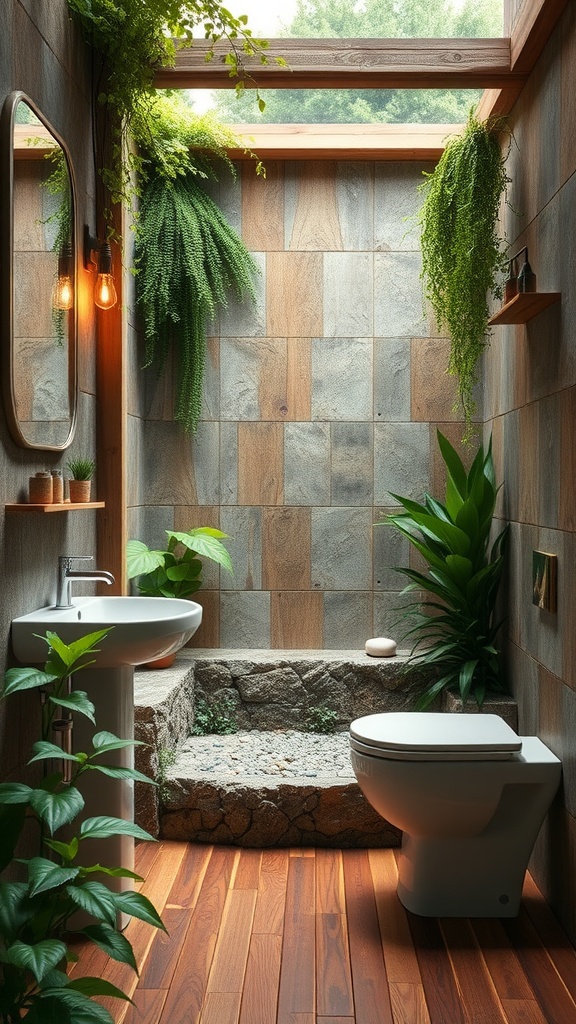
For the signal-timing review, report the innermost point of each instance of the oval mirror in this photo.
(39, 315)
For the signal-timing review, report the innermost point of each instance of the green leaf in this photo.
(114, 772)
(112, 942)
(454, 465)
(13, 908)
(137, 905)
(15, 793)
(95, 899)
(103, 827)
(104, 741)
(70, 654)
(44, 875)
(43, 750)
(466, 677)
(204, 541)
(98, 869)
(39, 958)
(57, 809)
(77, 701)
(26, 679)
(185, 570)
(78, 1008)
(141, 560)
(66, 850)
(97, 987)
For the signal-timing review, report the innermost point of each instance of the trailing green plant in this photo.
(81, 468)
(187, 257)
(37, 912)
(166, 760)
(462, 253)
(131, 39)
(177, 571)
(321, 719)
(214, 716)
(456, 629)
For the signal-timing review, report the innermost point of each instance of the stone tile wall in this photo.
(530, 406)
(320, 401)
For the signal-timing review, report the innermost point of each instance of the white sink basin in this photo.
(145, 628)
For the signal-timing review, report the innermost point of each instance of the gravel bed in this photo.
(283, 753)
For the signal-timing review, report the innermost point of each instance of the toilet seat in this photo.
(431, 736)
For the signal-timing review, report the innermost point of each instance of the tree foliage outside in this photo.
(393, 19)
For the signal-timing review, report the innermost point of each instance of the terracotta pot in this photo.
(164, 662)
(79, 490)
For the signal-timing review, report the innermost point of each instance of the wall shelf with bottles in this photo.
(524, 307)
(65, 506)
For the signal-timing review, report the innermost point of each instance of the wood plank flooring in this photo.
(320, 937)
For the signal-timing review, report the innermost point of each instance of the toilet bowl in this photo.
(470, 797)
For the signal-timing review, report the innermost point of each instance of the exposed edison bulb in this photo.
(104, 291)
(63, 293)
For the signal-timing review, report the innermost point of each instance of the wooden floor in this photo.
(320, 937)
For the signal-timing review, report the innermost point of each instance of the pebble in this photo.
(284, 753)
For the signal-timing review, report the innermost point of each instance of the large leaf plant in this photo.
(177, 571)
(455, 629)
(37, 911)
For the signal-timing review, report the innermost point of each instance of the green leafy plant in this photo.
(321, 719)
(131, 40)
(37, 913)
(462, 253)
(166, 760)
(456, 630)
(215, 716)
(177, 571)
(81, 468)
(186, 256)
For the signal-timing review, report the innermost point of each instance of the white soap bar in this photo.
(380, 647)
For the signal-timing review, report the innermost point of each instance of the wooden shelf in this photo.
(65, 506)
(523, 307)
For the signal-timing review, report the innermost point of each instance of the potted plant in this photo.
(455, 631)
(82, 470)
(39, 911)
(177, 571)
(463, 256)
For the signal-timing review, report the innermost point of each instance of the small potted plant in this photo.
(82, 470)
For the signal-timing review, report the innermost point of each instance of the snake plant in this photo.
(455, 629)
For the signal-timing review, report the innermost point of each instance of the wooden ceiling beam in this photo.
(352, 64)
(344, 141)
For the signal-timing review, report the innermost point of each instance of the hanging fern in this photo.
(462, 253)
(187, 259)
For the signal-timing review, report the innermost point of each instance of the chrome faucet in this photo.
(66, 574)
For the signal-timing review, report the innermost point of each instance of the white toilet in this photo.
(469, 795)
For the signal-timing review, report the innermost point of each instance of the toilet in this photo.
(470, 797)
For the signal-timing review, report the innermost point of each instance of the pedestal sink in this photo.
(145, 628)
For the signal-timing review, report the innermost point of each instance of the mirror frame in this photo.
(7, 120)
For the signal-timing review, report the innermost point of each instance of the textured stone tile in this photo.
(226, 192)
(260, 463)
(245, 619)
(528, 457)
(243, 524)
(208, 633)
(294, 294)
(521, 675)
(547, 84)
(352, 464)
(355, 197)
(551, 628)
(348, 295)
(511, 468)
(568, 94)
(523, 616)
(398, 296)
(396, 203)
(401, 460)
(347, 620)
(296, 620)
(154, 520)
(211, 396)
(392, 379)
(229, 463)
(298, 378)
(390, 549)
(341, 379)
(263, 207)
(567, 461)
(389, 616)
(307, 464)
(205, 452)
(253, 378)
(169, 476)
(311, 207)
(433, 391)
(189, 517)
(549, 460)
(341, 548)
(286, 549)
(134, 462)
(247, 319)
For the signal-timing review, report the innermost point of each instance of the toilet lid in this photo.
(435, 736)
